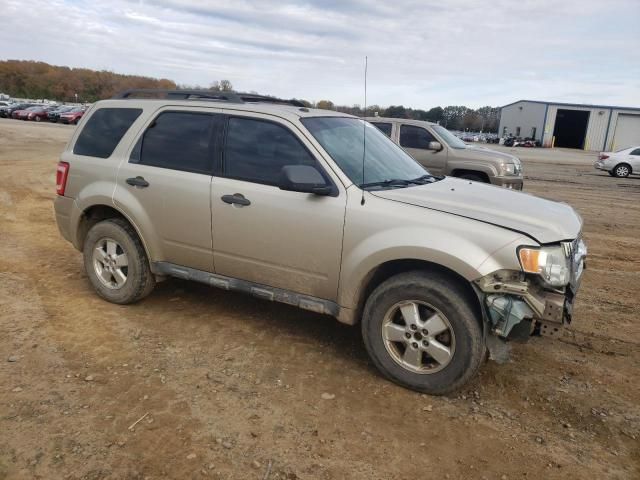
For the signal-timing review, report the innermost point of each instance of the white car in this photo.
(621, 163)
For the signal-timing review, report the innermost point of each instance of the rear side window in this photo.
(415, 137)
(256, 151)
(180, 141)
(384, 128)
(104, 130)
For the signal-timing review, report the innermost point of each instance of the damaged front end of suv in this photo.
(537, 300)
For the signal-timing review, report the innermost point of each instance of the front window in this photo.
(415, 137)
(343, 138)
(448, 137)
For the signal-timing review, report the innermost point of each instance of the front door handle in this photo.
(236, 198)
(137, 182)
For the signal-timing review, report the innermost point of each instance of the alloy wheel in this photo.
(110, 263)
(622, 171)
(418, 337)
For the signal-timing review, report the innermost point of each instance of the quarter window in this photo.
(104, 130)
(180, 141)
(415, 137)
(383, 127)
(256, 151)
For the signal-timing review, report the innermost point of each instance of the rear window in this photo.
(383, 127)
(104, 130)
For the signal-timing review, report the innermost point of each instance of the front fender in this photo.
(463, 255)
(474, 165)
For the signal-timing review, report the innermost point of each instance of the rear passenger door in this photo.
(278, 238)
(164, 186)
(634, 160)
(415, 140)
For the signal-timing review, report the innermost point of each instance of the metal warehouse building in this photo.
(568, 125)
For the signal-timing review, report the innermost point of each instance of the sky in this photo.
(421, 54)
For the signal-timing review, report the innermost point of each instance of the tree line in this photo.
(39, 80)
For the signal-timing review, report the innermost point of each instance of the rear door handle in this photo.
(236, 198)
(137, 182)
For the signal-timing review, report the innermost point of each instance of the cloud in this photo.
(421, 53)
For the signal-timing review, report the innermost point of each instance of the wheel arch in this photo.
(458, 172)
(626, 164)
(97, 213)
(390, 268)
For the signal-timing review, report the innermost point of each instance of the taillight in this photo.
(61, 177)
(603, 156)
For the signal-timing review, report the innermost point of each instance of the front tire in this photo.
(422, 332)
(116, 263)
(622, 170)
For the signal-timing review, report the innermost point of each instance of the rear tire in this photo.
(433, 315)
(116, 263)
(622, 170)
(473, 177)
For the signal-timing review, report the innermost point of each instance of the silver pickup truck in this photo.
(442, 153)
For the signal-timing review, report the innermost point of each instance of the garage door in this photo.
(627, 132)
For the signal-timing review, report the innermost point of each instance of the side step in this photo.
(265, 292)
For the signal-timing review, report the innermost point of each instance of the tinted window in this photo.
(415, 137)
(256, 151)
(383, 127)
(179, 141)
(635, 152)
(104, 130)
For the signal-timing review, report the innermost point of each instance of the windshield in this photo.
(342, 138)
(449, 138)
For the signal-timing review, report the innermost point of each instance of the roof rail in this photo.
(231, 97)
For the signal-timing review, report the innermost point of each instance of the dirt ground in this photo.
(230, 387)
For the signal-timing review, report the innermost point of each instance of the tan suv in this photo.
(442, 153)
(318, 210)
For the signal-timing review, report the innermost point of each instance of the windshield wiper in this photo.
(428, 178)
(401, 182)
(393, 182)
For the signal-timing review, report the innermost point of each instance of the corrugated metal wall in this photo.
(601, 127)
(611, 140)
(526, 115)
(596, 128)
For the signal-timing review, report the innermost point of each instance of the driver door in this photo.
(415, 140)
(262, 234)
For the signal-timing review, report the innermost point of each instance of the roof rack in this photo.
(231, 97)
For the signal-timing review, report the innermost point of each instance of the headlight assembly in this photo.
(511, 169)
(551, 263)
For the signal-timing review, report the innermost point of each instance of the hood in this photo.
(483, 153)
(543, 220)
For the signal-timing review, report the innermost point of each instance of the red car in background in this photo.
(72, 116)
(21, 114)
(40, 113)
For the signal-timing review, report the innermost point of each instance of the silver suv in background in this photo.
(318, 210)
(442, 153)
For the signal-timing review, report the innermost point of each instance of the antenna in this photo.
(364, 126)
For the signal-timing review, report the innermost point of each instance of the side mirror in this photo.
(436, 146)
(304, 179)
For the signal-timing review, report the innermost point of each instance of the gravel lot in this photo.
(231, 387)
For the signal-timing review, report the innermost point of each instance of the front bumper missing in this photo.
(516, 308)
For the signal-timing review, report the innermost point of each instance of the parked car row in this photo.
(38, 112)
